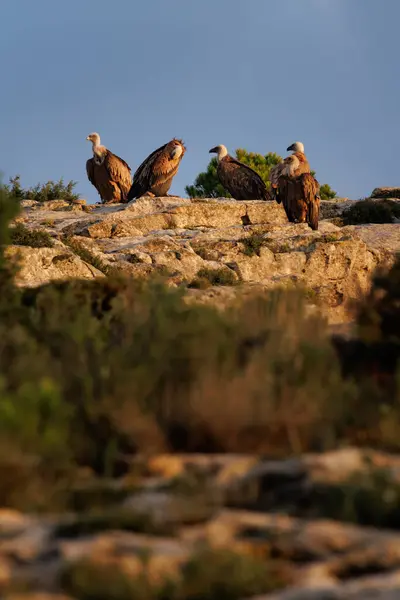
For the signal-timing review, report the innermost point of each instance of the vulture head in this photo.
(177, 149)
(296, 147)
(94, 138)
(220, 150)
(99, 151)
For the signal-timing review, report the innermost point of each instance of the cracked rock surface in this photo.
(178, 237)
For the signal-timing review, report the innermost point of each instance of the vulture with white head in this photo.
(110, 174)
(154, 176)
(242, 182)
(299, 193)
(298, 150)
(303, 167)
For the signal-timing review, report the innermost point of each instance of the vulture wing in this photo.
(143, 177)
(285, 194)
(241, 181)
(163, 164)
(90, 170)
(155, 174)
(119, 172)
(300, 199)
(274, 176)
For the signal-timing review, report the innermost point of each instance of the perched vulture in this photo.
(298, 150)
(155, 174)
(110, 175)
(242, 182)
(299, 193)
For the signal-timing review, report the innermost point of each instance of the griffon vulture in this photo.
(242, 182)
(299, 193)
(298, 150)
(155, 174)
(110, 175)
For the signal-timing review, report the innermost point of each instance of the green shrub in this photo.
(326, 192)
(88, 580)
(252, 244)
(207, 277)
(9, 209)
(87, 256)
(226, 575)
(131, 365)
(111, 519)
(35, 238)
(372, 211)
(371, 498)
(378, 315)
(41, 192)
(208, 575)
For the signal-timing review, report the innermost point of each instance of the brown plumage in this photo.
(276, 172)
(242, 182)
(299, 194)
(155, 174)
(110, 174)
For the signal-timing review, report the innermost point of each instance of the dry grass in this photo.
(35, 238)
(209, 277)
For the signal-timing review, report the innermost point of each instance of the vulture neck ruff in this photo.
(291, 167)
(99, 152)
(176, 152)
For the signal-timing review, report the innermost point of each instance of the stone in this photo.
(384, 237)
(13, 521)
(161, 558)
(176, 237)
(42, 265)
(386, 192)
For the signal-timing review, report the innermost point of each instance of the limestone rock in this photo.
(41, 265)
(384, 237)
(386, 192)
(177, 237)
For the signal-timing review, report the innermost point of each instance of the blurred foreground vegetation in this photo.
(93, 371)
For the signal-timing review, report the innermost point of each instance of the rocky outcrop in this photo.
(386, 192)
(182, 503)
(41, 265)
(176, 237)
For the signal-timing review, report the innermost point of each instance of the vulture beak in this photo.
(88, 138)
(213, 150)
(290, 148)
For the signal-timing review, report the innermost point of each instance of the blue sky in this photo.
(257, 74)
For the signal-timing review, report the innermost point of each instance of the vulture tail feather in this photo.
(314, 215)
